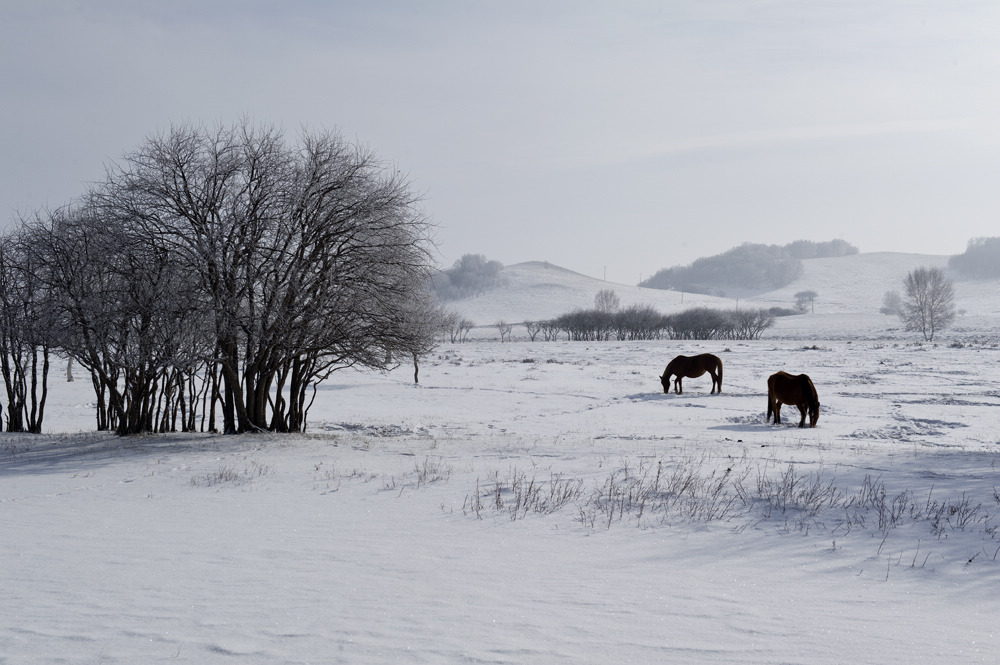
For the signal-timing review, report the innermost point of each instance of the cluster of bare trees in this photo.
(471, 275)
(457, 327)
(642, 322)
(218, 274)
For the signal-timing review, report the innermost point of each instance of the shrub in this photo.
(471, 275)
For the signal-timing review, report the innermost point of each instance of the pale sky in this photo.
(610, 138)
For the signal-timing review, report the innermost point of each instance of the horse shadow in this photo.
(661, 397)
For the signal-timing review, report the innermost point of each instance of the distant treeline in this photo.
(642, 322)
(749, 267)
(981, 259)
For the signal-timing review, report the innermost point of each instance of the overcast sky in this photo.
(611, 138)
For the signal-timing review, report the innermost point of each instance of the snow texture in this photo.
(391, 531)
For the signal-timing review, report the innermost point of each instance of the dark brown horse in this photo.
(692, 367)
(797, 389)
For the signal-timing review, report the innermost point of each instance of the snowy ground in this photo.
(378, 537)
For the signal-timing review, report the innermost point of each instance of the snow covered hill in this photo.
(850, 291)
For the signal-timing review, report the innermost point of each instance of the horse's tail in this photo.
(720, 375)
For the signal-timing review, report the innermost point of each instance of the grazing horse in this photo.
(692, 367)
(797, 389)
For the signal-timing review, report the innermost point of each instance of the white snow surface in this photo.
(377, 537)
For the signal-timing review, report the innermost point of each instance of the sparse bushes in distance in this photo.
(981, 259)
(642, 322)
(749, 323)
(550, 331)
(699, 323)
(472, 275)
(586, 325)
(638, 322)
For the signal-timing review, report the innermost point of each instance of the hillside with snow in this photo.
(850, 291)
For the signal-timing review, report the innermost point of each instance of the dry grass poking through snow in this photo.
(229, 474)
(746, 493)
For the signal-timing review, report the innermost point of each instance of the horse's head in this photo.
(813, 414)
(665, 382)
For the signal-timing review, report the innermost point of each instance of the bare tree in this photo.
(803, 298)
(423, 319)
(607, 301)
(750, 323)
(24, 342)
(449, 324)
(504, 329)
(929, 306)
(533, 328)
(120, 306)
(456, 327)
(465, 327)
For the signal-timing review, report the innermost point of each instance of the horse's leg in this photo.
(715, 380)
(678, 388)
(802, 410)
(777, 412)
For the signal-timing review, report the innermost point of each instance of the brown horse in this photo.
(785, 388)
(692, 367)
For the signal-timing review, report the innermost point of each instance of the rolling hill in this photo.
(850, 291)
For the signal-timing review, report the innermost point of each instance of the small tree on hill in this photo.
(929, 306)
(803, 298)
(607, 301)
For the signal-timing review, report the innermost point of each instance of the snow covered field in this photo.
(508, 510)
